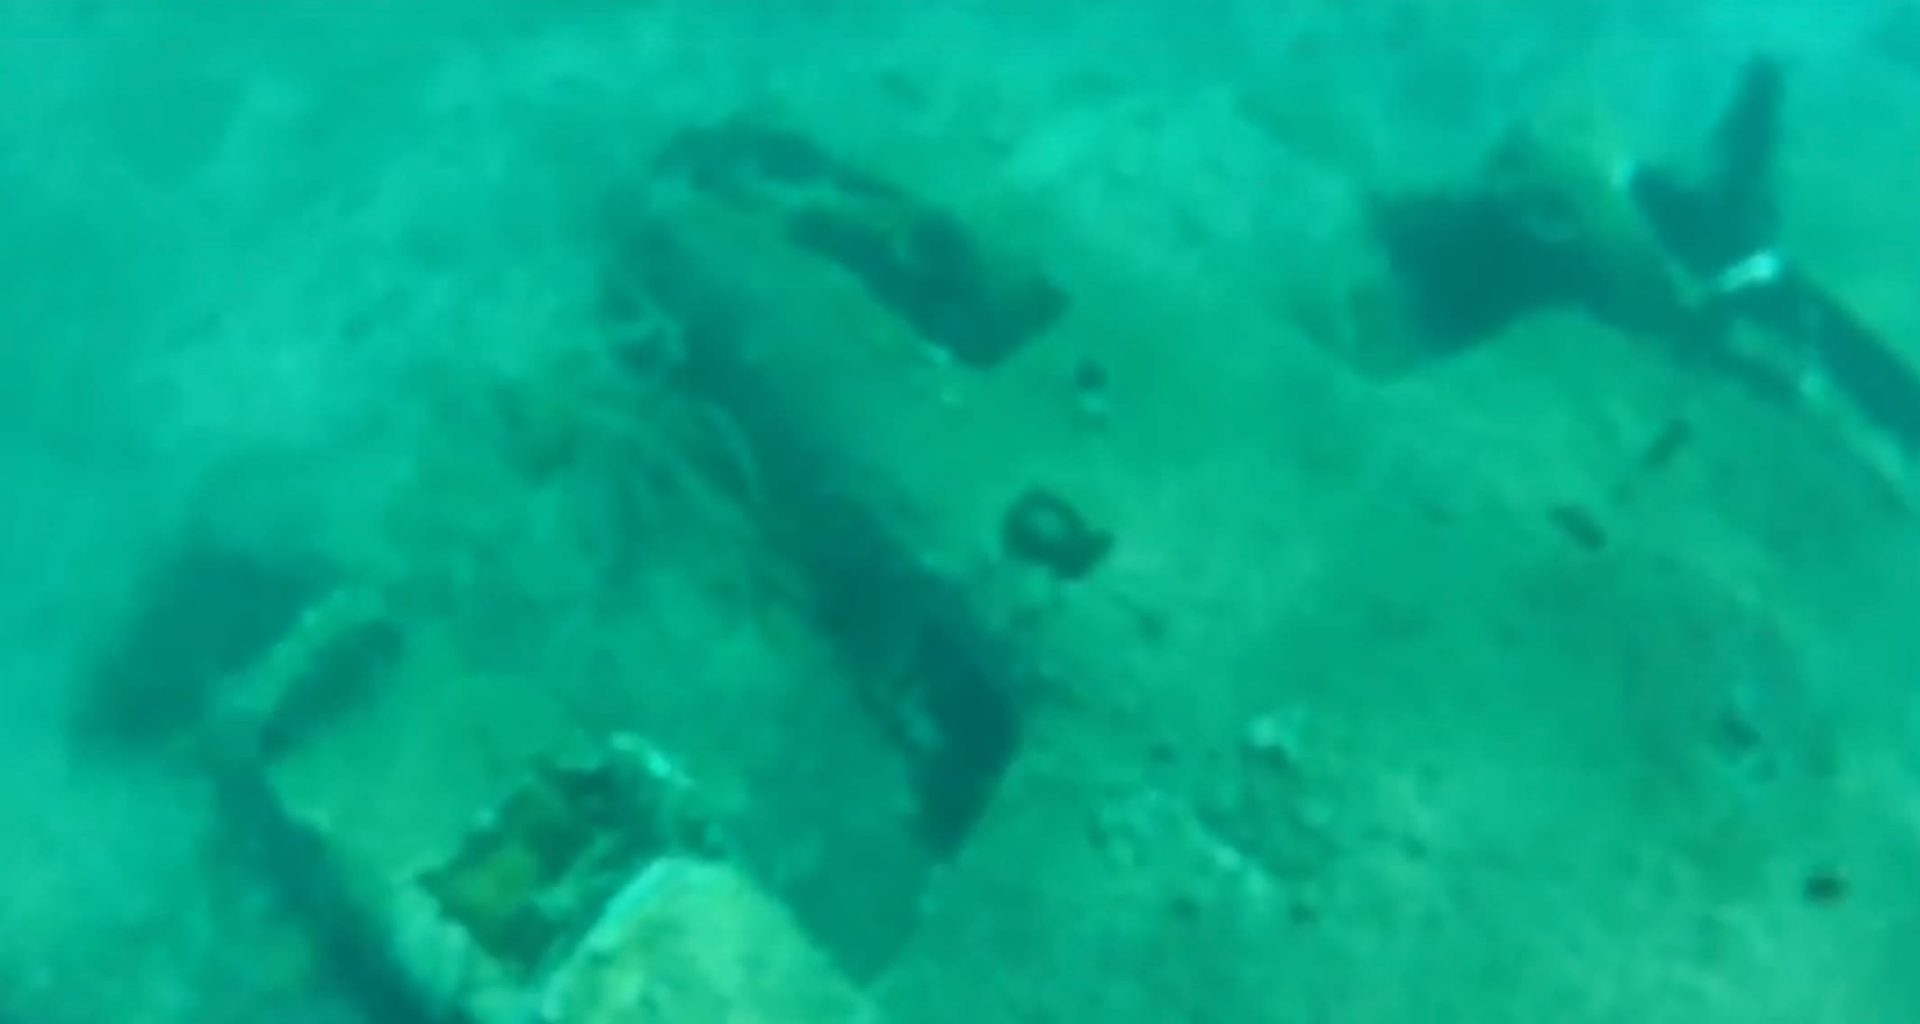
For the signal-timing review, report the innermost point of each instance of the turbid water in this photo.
(1304, 512)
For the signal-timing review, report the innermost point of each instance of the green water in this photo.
(1303, 511)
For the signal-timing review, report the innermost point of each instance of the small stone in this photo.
(1090, 396)
(1824, 887)
(1275, 737)
(1042, 529)
(1187, 903)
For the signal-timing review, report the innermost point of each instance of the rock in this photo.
(693, 942)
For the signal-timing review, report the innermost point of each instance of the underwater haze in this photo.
(1281, 512)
